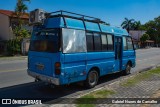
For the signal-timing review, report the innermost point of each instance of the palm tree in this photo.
(20, 10)
(136, 25)
(127, 24)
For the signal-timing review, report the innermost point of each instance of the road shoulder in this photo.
(142, 85)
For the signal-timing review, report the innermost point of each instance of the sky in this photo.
(111, 11)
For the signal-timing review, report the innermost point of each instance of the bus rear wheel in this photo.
(37, 80)
(92, 79)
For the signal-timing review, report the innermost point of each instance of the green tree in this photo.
(136, 25)
(153, 29)
(128, 24)
(157, 30)
(14, 46)
(144, 37)
(20, 10)
(143, 27)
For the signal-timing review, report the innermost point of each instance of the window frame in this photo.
(61, 40)
(127, 43)
(92, 41)
(106, 41)
(131, 42)
(113, 42)
(100, 34)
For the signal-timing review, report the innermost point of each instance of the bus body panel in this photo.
(74, 67)
(54, 23)
(43, 63)
(128, 56)
(103, 60)
(92, 26)
(75, 24)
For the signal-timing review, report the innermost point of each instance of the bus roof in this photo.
(82, 22)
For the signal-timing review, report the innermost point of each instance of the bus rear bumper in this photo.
(44, 78)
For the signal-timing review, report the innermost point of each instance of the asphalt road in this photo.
(15, 83)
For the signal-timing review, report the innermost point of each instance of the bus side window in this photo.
(104, 42)
(89, 37)
(129, 43)
(125, 44)
(74, 41)
(97, 42)
(110, 42)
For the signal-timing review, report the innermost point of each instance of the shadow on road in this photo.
(40, 90)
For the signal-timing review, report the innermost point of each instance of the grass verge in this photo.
(87, 100)
(140, 77)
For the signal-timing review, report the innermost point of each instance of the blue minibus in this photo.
(68, 47)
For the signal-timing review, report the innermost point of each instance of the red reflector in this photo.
(57, 65)
(57, 68)
(57, 71)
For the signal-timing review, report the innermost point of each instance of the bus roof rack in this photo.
(62, 13)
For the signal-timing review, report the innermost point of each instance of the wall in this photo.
(5, 29)
(25, 46)
(136, 34)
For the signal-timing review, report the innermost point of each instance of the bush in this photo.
(21, 33)
(14, 47)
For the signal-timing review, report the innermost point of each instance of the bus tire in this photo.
(127, 71)
(92, 79)
(37, 80)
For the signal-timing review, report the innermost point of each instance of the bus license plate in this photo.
(40, 66)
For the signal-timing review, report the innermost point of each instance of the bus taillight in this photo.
(57, 68)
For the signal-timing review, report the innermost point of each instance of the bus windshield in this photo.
(45, 40)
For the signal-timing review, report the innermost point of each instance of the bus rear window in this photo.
(45, 41)
(43, 46)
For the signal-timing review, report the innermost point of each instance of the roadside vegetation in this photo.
(89, 99)
(143, 38)
(152, 28)
(14, 45)
(140, 77)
